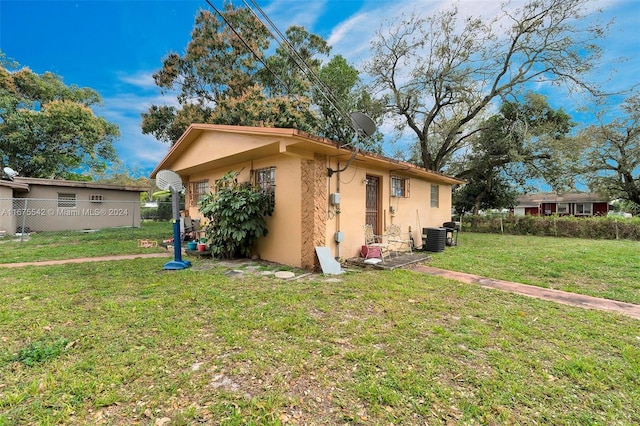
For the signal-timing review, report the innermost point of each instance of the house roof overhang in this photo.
(16, 186)
(288, 142)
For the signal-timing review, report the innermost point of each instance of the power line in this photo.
(299, 60)
(245, 43)
(304, 67)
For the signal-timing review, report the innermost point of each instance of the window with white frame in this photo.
(563, 208)
(66, 199)
(399, 186)
(265, 179)
(197, 190)
(584, 209)
(435, 195)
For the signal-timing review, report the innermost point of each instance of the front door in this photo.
(372, 203)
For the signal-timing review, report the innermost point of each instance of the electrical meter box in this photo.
(338, 237)
(334, 199)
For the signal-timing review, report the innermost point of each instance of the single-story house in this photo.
(35, 204)
(575, 204)
(324, 193)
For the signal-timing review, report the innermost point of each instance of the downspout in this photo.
(338, 215)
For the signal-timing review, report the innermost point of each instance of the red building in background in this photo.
(569, 204)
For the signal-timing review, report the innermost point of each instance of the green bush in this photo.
(236, 213)
(165, 210)
(149, 213)
(596, 227)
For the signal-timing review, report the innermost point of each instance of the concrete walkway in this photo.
(573, 299)
(86, 259)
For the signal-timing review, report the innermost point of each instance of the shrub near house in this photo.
(236, 214)
(595, 227)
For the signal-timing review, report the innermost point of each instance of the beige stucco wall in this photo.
(211, 146)
(283, 244)
(303, 217)
(414, 211)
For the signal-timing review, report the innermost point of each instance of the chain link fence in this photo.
(20, 218)
(161, 210)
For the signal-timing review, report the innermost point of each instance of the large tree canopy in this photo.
(229, 75)
(47, 129)
(612, 153)
(441, 73)
(525, 140)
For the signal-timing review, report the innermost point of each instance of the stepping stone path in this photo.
(284, 274)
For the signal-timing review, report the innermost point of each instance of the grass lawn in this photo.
(74, 244)
(128, 343)
(602, 268)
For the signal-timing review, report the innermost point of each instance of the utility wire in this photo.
(304, 67)
(299, 60)
(245, 43)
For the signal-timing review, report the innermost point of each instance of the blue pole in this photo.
(177, 262)
(177, 243)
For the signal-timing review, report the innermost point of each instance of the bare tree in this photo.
(440, 73)
(612, 153)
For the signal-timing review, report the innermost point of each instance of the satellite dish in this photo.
(362, 124)
(10, 172)
(168, 179)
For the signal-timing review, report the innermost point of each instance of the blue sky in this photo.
(115, 46)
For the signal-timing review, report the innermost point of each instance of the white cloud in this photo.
(124, 106)
(141, 79)
(352, 37)
(346, 29)
(285, 13)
